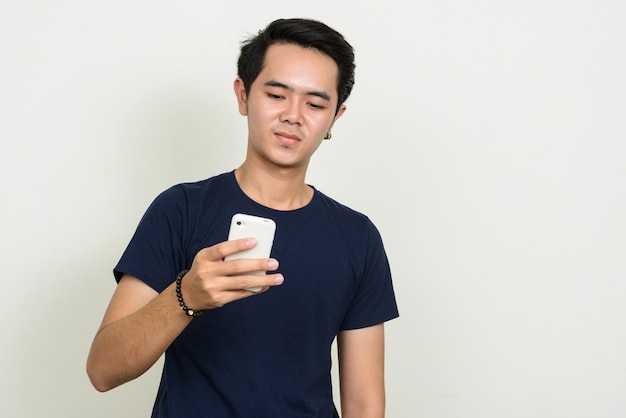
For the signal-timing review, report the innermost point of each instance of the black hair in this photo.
(306, 33)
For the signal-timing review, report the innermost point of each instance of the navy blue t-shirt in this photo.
(267, 355)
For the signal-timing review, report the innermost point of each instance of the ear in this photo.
(339, 114)
(242, 98)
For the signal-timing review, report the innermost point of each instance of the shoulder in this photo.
(356, 229)
(190, 193)
(344, 215)
(200, 187)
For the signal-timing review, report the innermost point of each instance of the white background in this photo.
(485, 139)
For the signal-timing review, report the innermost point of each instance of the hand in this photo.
(212, 282)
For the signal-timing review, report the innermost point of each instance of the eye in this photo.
(316, 106)
(274, 96)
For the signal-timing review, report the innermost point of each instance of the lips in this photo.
(287, 137)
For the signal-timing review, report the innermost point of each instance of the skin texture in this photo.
(290, 108)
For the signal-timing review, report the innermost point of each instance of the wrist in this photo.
(179, 294)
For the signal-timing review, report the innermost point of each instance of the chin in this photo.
(288, 164)
(287, 161)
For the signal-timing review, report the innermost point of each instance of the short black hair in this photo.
(306, 33)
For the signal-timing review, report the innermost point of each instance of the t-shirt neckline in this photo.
(253, 202)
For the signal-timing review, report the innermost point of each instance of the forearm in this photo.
(126, 348)
(367, 412)
(363, 406)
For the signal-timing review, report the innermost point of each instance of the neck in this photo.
(280, 189)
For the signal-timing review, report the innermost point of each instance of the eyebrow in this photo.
(321, 94)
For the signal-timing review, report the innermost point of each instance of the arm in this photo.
(140, 324)
(137, 328)
(361, 372)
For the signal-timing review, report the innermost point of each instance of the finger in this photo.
(240, 266)
(217, 252)
(245, 286)
(255, 282)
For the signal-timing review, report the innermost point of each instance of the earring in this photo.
(328, 136)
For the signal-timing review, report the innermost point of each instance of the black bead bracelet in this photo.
(179, 295)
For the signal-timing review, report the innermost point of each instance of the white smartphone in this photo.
(249, 226)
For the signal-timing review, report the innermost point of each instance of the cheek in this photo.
(254, 117)
(262, 113)
(319, 123)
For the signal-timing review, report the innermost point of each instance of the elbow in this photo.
(97, 378)
(98, 384)
(101, 385)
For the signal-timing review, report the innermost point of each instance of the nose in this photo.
(291, 113)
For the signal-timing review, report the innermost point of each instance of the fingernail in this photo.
(279, 279)
(273, 264)
(251, 243)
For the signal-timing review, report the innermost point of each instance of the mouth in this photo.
(287, 137)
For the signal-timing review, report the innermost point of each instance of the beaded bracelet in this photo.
(179, 295)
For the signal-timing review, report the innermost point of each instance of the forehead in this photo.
(300, 68)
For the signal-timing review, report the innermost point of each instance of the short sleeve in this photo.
(374, 301)
(156, 252)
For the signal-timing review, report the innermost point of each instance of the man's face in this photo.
(291, 105)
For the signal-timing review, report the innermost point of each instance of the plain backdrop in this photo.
(485, 139)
